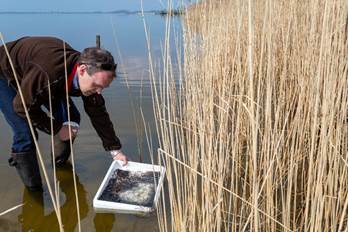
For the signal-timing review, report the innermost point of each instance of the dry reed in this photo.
(11, 209)
(256, 137)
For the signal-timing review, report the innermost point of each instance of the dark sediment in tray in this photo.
(131, 187)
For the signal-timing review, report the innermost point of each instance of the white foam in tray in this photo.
(116, 207)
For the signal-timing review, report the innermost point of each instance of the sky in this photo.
(84, 5)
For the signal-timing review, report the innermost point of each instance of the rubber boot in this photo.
(28, 169)
(62, 151)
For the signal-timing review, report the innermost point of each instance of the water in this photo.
(124, 36)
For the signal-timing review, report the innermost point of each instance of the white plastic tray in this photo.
(115, 207)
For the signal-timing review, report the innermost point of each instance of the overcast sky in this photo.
(83, 5)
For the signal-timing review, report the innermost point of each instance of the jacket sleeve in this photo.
(34, 87)
(95, 108)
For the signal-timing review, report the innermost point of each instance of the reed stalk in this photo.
(71, 145)
(11, 209)
(56, 183)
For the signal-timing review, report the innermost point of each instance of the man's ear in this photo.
(82, 69)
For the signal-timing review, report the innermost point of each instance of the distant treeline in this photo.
(175, 12)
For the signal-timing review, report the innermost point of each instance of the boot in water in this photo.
(27, 168)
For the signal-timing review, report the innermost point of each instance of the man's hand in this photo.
(118, 155)
(64, 132)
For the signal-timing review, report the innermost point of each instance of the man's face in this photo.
(90, 84)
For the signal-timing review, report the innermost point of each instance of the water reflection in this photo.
(33, 216)
(104, 221)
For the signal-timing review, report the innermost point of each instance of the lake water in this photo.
(129, 94)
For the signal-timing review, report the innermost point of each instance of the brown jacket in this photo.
(39, 64)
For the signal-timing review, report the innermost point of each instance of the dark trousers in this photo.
(22, 139)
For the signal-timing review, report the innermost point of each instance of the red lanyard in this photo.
(71, 77)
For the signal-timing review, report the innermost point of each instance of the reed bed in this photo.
(256, 136)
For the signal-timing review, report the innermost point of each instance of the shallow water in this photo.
(124, 36)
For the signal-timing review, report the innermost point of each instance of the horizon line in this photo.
(93, 12)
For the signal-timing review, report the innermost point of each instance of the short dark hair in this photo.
(97, 59)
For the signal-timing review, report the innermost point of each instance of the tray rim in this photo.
(115, 207)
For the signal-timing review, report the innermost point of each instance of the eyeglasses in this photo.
(103, 66)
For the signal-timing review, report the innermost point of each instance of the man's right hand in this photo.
(118, 155)
(64, 132)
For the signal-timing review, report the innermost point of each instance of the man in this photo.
(40, 68)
